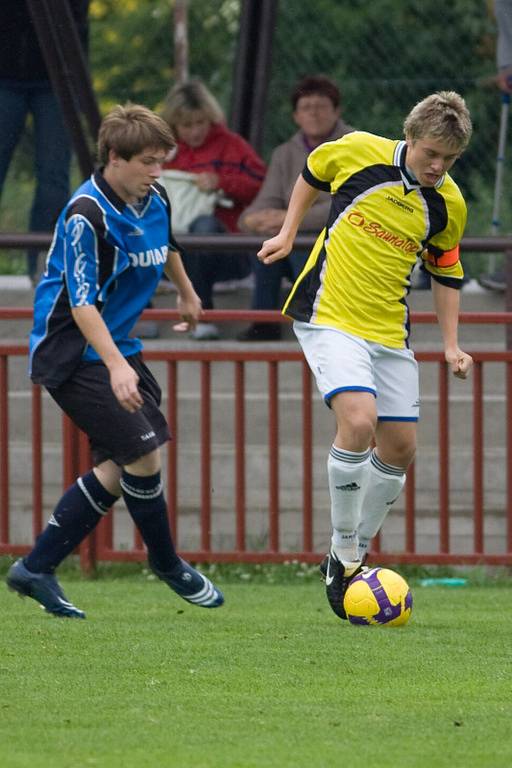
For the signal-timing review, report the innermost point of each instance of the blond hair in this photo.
(190, 97)
(442, 115)
(130, 129)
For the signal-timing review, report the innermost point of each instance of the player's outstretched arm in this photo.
(447, 303)
(278, 247)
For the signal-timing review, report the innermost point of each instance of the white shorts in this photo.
(342, 362)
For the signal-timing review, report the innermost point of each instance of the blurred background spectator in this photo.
(219, 174)
(503, 13)
(316, 108)
(25, 89)
(496, 280)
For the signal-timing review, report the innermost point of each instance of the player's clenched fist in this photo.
(460, 363)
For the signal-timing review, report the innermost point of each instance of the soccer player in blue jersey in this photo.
(392, 202)
(111, 245)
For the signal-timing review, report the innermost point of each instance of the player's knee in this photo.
(356, 418)
(358, 429)
(407, 449)
(108, 474)
(401, 453)
(149, 464)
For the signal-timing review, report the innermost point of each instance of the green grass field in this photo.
(271, 679)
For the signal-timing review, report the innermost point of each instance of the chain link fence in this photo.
(385, 55)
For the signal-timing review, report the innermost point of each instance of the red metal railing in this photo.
(76, 457)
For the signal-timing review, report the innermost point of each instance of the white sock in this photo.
(347, 472)
(384, 484)
(344, 545)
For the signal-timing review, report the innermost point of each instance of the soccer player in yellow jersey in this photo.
(392, 201)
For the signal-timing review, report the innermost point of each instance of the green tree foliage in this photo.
(132, 50)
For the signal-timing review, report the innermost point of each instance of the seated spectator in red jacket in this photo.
(212, 177)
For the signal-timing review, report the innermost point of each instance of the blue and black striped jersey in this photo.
(104, 253)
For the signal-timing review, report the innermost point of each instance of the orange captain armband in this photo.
(439, 258)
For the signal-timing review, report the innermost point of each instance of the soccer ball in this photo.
(378, 596)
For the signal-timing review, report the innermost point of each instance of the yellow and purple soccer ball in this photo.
(378, 596)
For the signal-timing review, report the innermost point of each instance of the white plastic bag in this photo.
(187, 201)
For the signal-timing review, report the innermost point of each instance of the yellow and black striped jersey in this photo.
(358, 273)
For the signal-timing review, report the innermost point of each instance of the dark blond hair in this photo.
(190, 97)
(130, 129)
(443, 115)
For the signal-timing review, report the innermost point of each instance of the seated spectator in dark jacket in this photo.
(316, 110)
(213, 175)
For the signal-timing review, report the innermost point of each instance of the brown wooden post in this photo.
(180, 40)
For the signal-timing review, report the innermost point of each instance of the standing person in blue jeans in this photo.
(497, 279)
(25, 89)
(316, 105)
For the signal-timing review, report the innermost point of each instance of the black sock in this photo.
(146, 504)
(75, 516)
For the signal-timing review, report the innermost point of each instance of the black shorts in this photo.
(114, 433)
